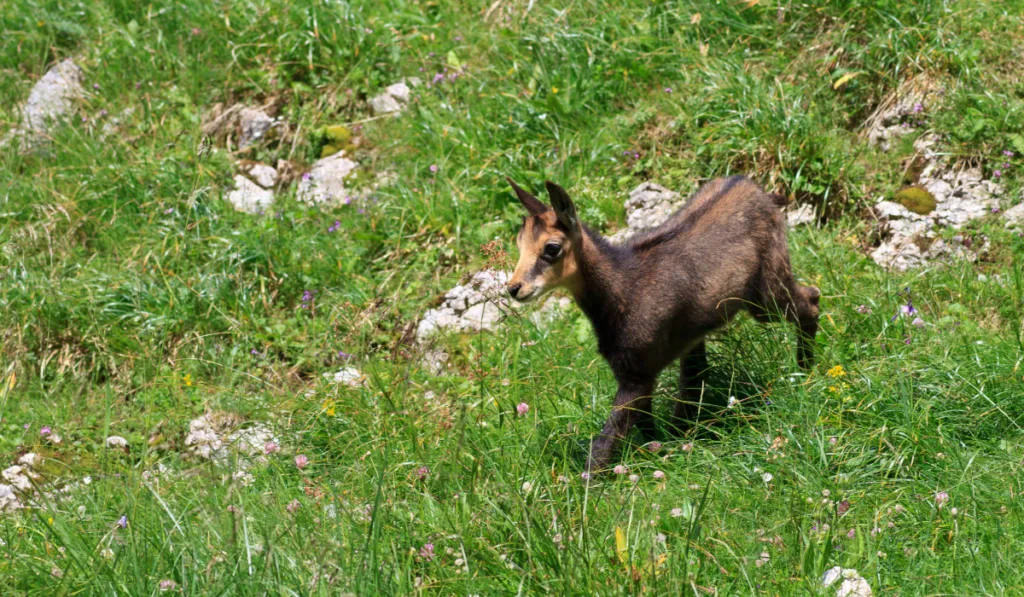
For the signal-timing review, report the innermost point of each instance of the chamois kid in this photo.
(654, 298)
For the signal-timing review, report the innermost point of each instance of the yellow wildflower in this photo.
(836, 371)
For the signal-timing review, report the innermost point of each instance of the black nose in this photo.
(514, 290)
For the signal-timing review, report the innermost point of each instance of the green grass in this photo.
(134, 298)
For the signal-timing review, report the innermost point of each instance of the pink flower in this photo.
(433, 167)
(301, 461)
(271, 447)
(659, 475)
(522, 408)
(940, 499)
(168, 585)
(422, 472)
(45, 431)
(653, 446)
(852, 533)
(293, 506)
(620, 469)
(427, 551)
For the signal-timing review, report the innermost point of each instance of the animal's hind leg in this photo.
(692, 366)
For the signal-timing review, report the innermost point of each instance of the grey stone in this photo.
(325, 182)
(477, 305)
(435, 361)
(803, 214)
(1015, 215)
(263, 175)
(851, 583)
(254, 124)
(52, 97)
(384, 104)
(400, 91)
(648, 206)
(250, 197)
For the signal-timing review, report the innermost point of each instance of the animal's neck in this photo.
(601, 285)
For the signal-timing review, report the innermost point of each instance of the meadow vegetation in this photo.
(134, 298)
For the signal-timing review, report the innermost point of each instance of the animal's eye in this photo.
(552, 251)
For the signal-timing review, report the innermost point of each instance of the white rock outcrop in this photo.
(325, 183)
(477, 305)
(851, 583)
(249, 197)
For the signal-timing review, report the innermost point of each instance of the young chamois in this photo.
(654, 298)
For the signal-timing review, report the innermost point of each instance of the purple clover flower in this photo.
(122, 522)
(45, 430)
(1008, 153)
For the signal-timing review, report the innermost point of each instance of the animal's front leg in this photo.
(632, 404)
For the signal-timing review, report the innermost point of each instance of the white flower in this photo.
(767, 477)
(527, 486)
(733, 402)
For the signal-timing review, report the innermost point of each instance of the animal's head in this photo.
(549, 243)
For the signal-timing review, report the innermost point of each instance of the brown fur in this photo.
(654, 299)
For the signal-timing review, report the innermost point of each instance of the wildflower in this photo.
(96, 86)
(634, 478)
(56, 572)
(620, 469)
(45, 430)
(833, 440)
(187, 378)
(122, 522)
(527, 486)
(836, 371)
(107, 554)
(522, 408)
(843, 507)
(767, 477)
(863, 309)
(918, 108)
(344, 355)
(732, 402)
(668, 90)
(653, 446)
(995, 174)
(851, 533)
(1008, 153)
(438, 78)
(293, 506)
(825, 493)
(301, 461)
(334, 227)
(941, 498)
(875, 531)
(763, 559)
(918, 322)
(306, 176)
(271, 447)
(687, 447)
(659, 475)
(585, 476)
(427, 551)
(168, 585)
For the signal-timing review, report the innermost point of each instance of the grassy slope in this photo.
(132, 298)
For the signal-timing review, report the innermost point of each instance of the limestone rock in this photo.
(116, 441)
(1015, 215)
(478, 305)
(52, 97)
(254, 123)
(263, 175)
(801, 215)
(901, 113)
(852, 585)
(911, 240)
(648, 206)
(324, 184)
(393, 100)
(348, 376)
(250, 197)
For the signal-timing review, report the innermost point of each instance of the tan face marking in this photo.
(547, 258)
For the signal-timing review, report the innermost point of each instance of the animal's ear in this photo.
(564, 208)
(531, 203)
